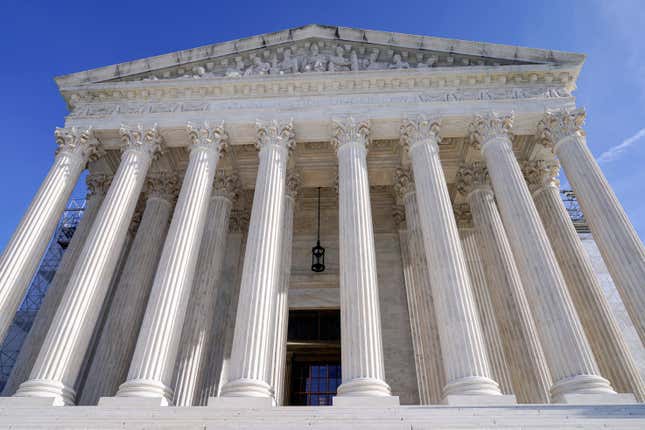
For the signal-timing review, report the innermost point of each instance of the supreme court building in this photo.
(329, 227)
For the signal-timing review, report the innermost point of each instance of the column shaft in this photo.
(22, 254)
(462, 345)
(605, 338)
(60, 359)
(251, 354)
(619, 244)
(97, 185)
(119, 335)
(196, 335)
(564, 343)
(361, 343)
(153, 361)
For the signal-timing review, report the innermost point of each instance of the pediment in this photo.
(319, 49)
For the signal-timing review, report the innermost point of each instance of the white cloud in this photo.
(616, 151)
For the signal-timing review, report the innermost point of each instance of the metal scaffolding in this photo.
(39, 284)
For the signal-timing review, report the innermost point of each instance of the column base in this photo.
(479, 400)
(580, 384)
(598, 399)
(62, 395)
(241, 402)
(364, 387)
(366, 402)
(472, 386)
(247, 388)
(132, 402)
(146, 388)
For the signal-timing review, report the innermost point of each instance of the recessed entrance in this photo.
(313, 357)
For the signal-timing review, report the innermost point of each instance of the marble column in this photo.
(614, 234)
(61, 357)
(196, 335)
(226, 307)
(605, 338)
(529, 372)
(465, 362)
(251, 353)
(281, 319)
(360, 323)
(500, 369)
(423, 320)
(24, 250)
(97, 185)
(119, 335)
(566, 349)
(154, 356)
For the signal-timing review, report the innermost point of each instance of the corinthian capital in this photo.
(208, 137)
(403, 182)
(350, 131)
(488, 126)
(227, 185)
(293, 183)
(398, 215)
(239, 220)
(472, 176)
(139, 138)
(76, 141)
(97, 184)
(279, 133)
(540, 174)
(463, 215)
(418, 131)
(163, 185)
(557, 125)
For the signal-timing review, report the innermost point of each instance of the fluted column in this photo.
(619, 244)
(153, 361)
(67, 340)
(196, 337)
(251, 353)
(464, 356)
(565, 346)
(499, 366)
(360, 323)
(22, 254)
(423, 320)
(119, 335)
(530, 374)
(605, 338)
(97, 185)
(281, 320)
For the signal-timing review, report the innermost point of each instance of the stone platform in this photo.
(285, 418)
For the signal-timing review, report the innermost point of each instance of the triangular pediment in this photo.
(319, 49)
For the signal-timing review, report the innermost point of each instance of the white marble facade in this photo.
(210, 160)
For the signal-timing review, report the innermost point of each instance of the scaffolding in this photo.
(39, 284)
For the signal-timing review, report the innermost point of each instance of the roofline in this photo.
(348, 34)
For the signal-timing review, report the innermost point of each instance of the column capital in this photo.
(488, 126)
(463, 215)
(163, 185)
(239, 220)
(541, 174)
(350, 131)
(555, 126)
(209, 137)
(97, 184)
(227, 185)
(293, 183)
(472, 177)
(274, 132)
(420, 130)
(76, 141)
(403, 182)
(398, 215)
(140, 138)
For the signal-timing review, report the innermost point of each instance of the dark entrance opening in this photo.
(313, 357)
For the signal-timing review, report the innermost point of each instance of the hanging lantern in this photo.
(318, 252)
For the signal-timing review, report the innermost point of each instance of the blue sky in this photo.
(43, 39)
